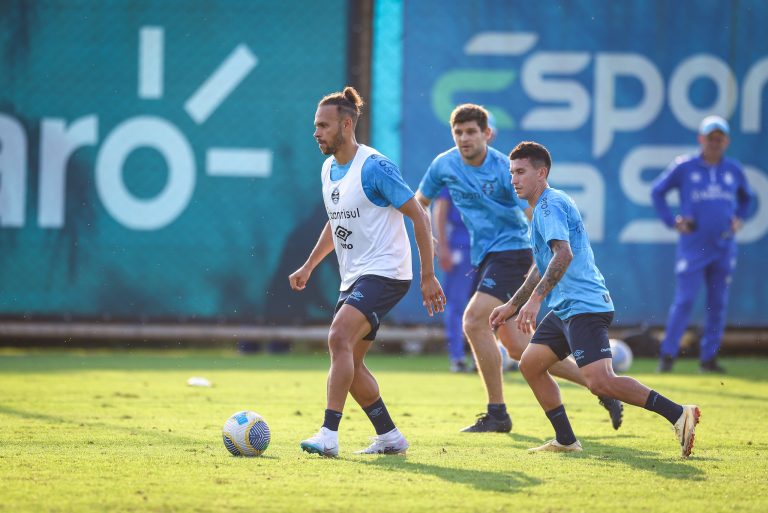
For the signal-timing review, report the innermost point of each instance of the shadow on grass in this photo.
(150, 435)
(509, 481)
(661, 462)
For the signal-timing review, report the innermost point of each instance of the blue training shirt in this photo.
(484, 195)
(582, 288)
(709, 194)
(382, 182)
(458, 233)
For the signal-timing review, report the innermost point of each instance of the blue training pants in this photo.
(716, 274)
(457, 285)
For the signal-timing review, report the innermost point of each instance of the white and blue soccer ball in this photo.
(246, 434)
(621, 355)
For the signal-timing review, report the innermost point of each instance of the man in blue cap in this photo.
(714, 200)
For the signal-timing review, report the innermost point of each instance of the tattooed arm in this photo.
(561, 259)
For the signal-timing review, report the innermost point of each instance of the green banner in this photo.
(157, 159)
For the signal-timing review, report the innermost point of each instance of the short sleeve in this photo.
(432, 182)
(383, 183)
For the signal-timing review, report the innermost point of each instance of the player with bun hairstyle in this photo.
(365, 198)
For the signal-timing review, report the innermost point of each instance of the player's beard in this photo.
(472, 153)
(333, 146)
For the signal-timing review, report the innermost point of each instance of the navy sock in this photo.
(657, 403)
(563, 431)
(498, 411)
(332, 419)
(379, 417)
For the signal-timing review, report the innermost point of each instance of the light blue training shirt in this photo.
(382, 182)
(484, 195)
(582, 288)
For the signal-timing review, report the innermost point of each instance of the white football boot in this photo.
(325, 443)
(685, 428)
(555, 446)
(392, 442)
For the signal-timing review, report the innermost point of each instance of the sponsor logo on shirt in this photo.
(342, 233)
(712, 193)
(544, 206)
(343, 214)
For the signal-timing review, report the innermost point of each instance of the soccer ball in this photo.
(621, 355)
(246, 434)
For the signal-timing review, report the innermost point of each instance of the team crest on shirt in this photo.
(728, 178)
(335, 196)
(696, 177)
(488, 187)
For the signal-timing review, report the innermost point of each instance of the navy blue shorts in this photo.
(374, 296)
(583, 335)
(501, 273)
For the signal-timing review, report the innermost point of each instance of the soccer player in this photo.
(566, 276)
(365, 199)
(477, 179)
(714, 199)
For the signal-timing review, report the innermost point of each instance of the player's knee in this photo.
(528, 368)
(600, 385)
(472, 322)
(339, 341)
(514, 344)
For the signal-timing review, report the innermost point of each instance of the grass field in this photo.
(121, 431)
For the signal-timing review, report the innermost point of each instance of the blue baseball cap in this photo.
(712, 123)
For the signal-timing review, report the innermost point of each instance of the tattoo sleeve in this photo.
(526, 289)
(557, 266)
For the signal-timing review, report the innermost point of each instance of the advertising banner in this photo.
(616, 91)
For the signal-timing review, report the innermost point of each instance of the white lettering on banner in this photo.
(13, 172)
(551, 77)
(145, 132)
(752, 101)
(57, 144)
(59, 141)
(642, 159)
(638, 191)
(586, 186)
(610, 119)
(575, 97)
(692, 69)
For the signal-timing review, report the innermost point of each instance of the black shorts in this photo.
(374, 296)
(583, 335)
(501, 273)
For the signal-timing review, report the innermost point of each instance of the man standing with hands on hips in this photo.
(714, 199)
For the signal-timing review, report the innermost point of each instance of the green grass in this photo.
(121, 431)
